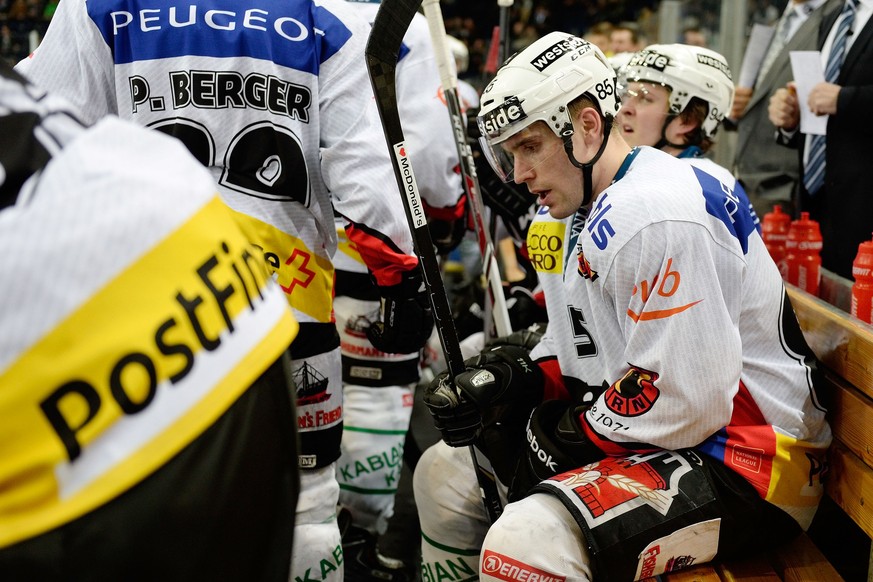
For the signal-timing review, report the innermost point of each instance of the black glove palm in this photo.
(407, 317)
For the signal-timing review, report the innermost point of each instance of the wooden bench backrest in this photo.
(844, 345)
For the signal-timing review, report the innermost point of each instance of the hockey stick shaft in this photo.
(503, 52)
(497, 301)
(383, 47)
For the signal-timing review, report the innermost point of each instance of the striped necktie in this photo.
(814, 174)
(780, 38)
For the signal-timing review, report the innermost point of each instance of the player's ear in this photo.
(684, 127)
(588, 120)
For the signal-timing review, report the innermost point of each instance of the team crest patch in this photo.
(584, 268)
(634, 394)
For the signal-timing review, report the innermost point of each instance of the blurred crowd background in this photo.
(23, 22)
(474, 22)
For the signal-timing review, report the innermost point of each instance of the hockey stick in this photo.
(495, 300)
(383, 47)
(503, 52)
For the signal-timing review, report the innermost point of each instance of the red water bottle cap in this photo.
(863, 264)
(804, 234)
(777, 216)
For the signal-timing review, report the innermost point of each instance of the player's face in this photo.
(643, 111)
(622, 41)
(539, 161)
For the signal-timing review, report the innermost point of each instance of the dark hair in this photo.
(696, 112)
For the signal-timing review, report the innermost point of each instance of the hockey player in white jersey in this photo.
(669, 416)
(146, 428)
(274, 99)
(378, 386)
(674, 97)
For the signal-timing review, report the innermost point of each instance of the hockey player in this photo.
(378, 386)
(674, 98)
(146, 429)
(668, 416)
(275, 100)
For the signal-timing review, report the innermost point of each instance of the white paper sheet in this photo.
(807, 69)
(756, 49)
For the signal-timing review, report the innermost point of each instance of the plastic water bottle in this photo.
(803, 258)
(774, 231)
(862, 289)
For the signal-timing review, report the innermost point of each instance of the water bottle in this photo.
(803, 258)
(774, 231)
(862, 288)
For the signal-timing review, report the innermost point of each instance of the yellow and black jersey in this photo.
(140, 367)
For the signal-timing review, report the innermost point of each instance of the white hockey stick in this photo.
(496, 301)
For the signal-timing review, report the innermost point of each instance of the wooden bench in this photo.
(844, 346)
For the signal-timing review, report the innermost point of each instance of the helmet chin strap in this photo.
(587, 182)
(664, 141)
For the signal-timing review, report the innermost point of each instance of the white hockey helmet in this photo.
(460, 52)
(687, 71)
(538, 84)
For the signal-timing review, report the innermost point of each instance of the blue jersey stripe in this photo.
(271, 30)
(729, 206)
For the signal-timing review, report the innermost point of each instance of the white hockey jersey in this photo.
(272, 96)
(426, 128)
(694, 156)
(681, 329)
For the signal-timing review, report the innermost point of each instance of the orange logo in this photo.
(669, 284)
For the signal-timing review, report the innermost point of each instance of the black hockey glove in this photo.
(446, 235)
(406, 319)
(524, 311)
(555, 443)
(524, 338)
(499, 387)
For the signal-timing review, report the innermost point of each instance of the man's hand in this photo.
(407, 317)
(783, 109)
(526, 338)
(499, 386)
(823, 99)
(742, 96)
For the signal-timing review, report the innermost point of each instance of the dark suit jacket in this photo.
(844, 206)
(770, 174)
